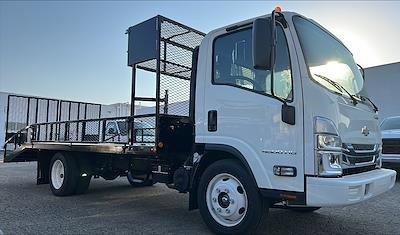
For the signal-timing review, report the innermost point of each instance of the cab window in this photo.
(233, 65)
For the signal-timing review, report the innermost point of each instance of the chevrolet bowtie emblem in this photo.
(365, 131)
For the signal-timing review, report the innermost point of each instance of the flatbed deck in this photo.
(23, 152)
(88, 135)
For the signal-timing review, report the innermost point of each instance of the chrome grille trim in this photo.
(367, 149)
(351, 160)
(359, 156)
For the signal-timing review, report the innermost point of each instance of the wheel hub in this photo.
(226, 199)
(223, 200)
(57, 174)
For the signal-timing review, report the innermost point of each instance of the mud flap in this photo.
(43, 164)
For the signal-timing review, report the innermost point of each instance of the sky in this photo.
(77, 50)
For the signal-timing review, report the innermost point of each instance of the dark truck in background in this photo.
(390, 129)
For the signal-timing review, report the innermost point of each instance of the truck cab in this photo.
(299, 124)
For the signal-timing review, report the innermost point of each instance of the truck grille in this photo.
(391, 146)
(363, 146)
(357, 158)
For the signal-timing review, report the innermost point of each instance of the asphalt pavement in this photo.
(115, 207)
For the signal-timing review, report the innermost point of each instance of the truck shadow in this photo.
(289, 222)
(170, 210)
(159, 210)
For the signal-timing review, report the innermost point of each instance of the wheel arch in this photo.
(211, 154)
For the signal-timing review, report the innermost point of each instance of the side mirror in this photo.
(288, 114)
(262, 43)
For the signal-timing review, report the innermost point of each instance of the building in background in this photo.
(382, 84)
(116, 110)
(3, 111)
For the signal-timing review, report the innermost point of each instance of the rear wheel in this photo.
(229, 200)
(140, 180)
(64, 174)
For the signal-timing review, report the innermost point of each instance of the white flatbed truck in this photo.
(263, 113)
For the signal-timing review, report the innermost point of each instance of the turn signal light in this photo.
(285, 171)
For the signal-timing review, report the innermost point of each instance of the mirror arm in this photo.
(281, 19)
(287, 112)
(273, 45)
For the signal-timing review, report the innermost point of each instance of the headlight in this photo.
(328, 151)
(329, 142)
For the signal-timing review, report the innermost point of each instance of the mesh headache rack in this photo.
(165, 48)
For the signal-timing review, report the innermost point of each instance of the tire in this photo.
(137, 181)
(63, 174)
(303, 209)
(225, 190)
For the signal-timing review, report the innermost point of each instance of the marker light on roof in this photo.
(278, 9)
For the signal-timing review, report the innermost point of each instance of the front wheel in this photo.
(229, 200)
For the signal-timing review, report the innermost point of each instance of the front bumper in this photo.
(322, 192)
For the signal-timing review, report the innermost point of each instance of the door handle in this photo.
(212, 120)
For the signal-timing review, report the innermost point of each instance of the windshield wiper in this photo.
(370, 101)
(339, 87)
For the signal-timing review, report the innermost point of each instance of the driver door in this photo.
(248, 111)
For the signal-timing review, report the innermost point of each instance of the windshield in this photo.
(391, 124)
(326, 56)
